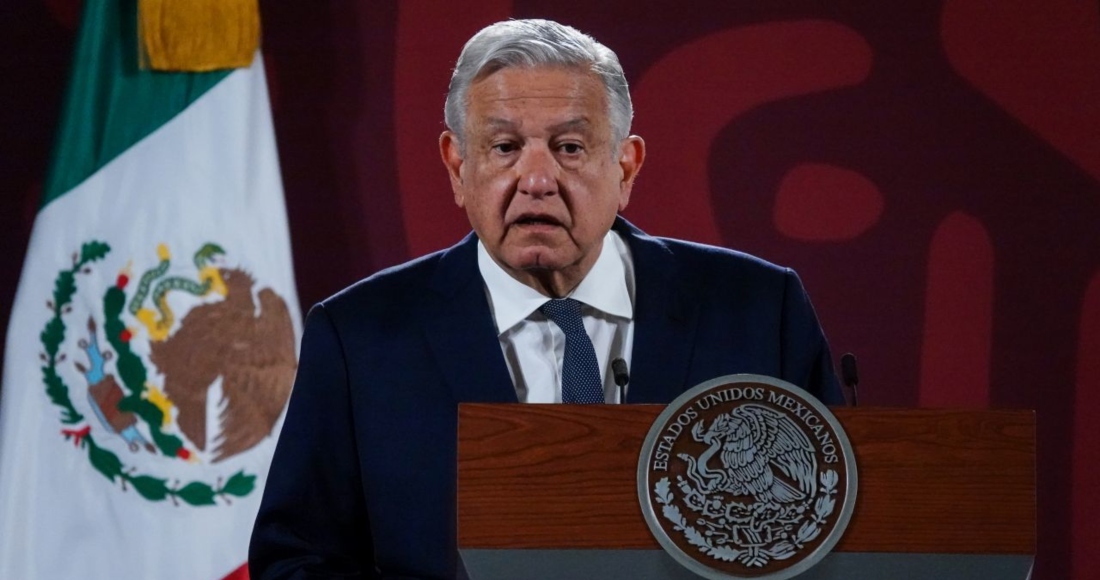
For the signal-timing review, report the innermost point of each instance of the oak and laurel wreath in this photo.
(807, 532)
(196, 493)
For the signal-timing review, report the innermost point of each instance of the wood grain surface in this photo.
(557, 476)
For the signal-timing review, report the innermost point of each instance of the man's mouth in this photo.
(536, 220)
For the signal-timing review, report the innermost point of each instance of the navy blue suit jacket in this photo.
(363, 479)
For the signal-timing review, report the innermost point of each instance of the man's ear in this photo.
(631, 157)
(451, 151)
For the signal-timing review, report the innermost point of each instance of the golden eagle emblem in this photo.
(752, 442)
(747, 476)
(246, 340)
(198, 387)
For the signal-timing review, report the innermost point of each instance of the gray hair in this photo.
(534, 43)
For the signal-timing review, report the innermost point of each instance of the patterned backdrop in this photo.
(930, 168)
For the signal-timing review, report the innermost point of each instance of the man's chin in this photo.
(537, 260)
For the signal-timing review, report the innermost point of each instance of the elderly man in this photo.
(532, 307)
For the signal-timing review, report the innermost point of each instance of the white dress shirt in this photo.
(534, 346)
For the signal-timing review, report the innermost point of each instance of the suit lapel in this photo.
(460, 330)
(665, 318)
(463, 338)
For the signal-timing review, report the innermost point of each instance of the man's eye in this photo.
(504, 147)
(570, 148)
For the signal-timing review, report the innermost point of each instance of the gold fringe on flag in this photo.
(198, 35)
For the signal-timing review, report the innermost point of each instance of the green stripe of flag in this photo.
(111, 104)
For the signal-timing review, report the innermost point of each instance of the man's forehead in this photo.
(541, 86)
(538, 70)
(581, 124)
(556, 98)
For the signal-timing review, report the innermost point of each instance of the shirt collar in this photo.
(605, 288)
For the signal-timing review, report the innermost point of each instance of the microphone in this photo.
(850, 375)
(622, 377)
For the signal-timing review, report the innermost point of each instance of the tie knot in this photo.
(565, 312)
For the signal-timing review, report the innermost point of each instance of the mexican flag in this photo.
(153, 340)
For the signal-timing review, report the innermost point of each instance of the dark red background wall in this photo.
(931, 169)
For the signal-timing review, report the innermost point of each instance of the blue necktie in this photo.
(580, 373)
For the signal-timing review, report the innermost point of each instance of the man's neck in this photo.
(549, 283)
(556, 283)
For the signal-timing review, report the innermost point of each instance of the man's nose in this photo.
(537, 171)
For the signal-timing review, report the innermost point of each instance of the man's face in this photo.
(539, 176)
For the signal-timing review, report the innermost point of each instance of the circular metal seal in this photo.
(747, 476)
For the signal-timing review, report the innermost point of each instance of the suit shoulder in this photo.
(386, 288)
(722, 262)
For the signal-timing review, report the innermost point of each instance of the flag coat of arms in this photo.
(153, 339)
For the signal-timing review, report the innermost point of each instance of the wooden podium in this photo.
(549, 491)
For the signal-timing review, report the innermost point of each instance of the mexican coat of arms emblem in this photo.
(166, 367)
(747, 476)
